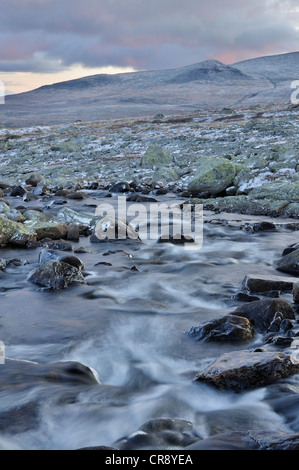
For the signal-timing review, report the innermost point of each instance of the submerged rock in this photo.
(213, 176)
(261, 312)
(160, 433)
(241, 370)
(289, 263)
(227, 328)
(54, 275)
(249, 440)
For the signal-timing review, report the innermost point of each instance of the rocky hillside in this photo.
(205, 85)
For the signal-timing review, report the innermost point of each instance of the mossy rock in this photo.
(213, 176)
(156, 156)
(45, 225)
(288, 191)
(15, 233)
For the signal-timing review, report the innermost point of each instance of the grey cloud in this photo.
(147, 35)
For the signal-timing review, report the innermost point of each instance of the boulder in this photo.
(156, 156)
(227, 328)
(54, 275)
(15, 233)
(289, 263)
(213, 176)
(241, 370)
(262, 312)
(259, 283)
(34, 179)
(56, 255)
(73, 232)
(45, 225)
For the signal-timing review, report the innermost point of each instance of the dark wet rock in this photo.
(18, 191)
(34, 179)
(51, 244)
(139, 198)
(286, 325)
(54, 275)
(241, 370)
(281, 341)
(260, 227)
(243, 418)
(73, 232)
(28, 197)
(296, 293)
(249, 440)
(76, 195)
(81, 249)
(261, 312)
(289, 263)
(15, 233)
(289, 249)
(213, 176)
(72, 260)
(45, 225)
(120, 187)
(243, 297)
(177, 239)
(160, 433)
(275, 323)
(259, 283)
(18, 374)
(227, 328)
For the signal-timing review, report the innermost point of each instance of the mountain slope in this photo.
(207, 84)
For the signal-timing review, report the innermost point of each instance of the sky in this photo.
(47, 41)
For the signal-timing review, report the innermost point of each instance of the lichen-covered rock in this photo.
(45, 225)
(261, 312)
(213, 176)
(288, 191)
(54, 275)
(241, 370)
(227, 328)
(15, 233)
(156, 156)
(289, 263)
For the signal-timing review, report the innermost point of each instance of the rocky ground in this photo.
(244, 163)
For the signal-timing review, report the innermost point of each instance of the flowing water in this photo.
(128, 326)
